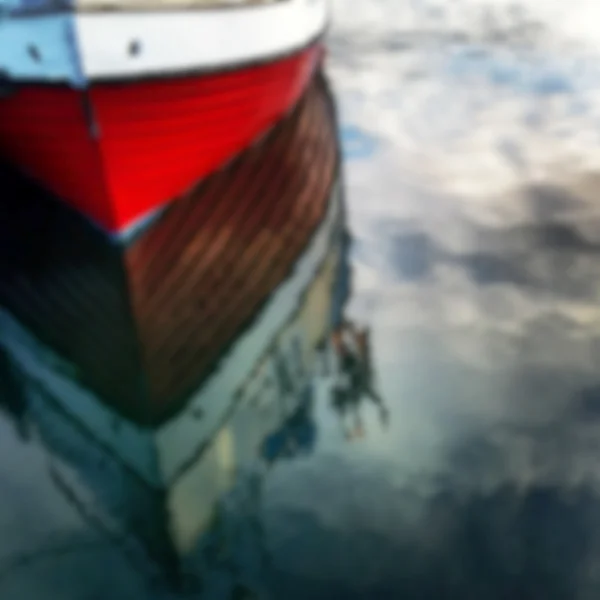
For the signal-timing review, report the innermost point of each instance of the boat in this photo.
(148, 326)
(120, 106)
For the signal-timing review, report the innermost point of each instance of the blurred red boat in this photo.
(120, 106)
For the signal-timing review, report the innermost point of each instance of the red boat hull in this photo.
(118, 151)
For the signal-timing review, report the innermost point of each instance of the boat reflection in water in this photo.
(161, 370)
(354, 378)
(235, 542)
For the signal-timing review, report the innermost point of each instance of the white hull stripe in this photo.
(79, 47)
(158, 456)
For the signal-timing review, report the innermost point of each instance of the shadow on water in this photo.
(13, 403)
